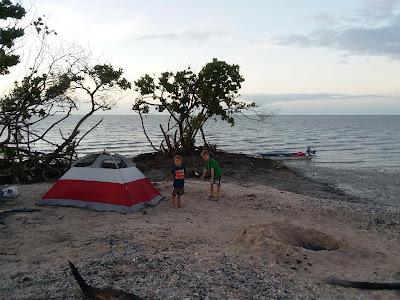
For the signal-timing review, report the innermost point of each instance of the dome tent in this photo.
(103, 182)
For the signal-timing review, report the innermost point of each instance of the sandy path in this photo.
(256, 242)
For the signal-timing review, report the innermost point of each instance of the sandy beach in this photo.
(260, 241)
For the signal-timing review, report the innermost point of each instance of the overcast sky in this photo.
(303, 57)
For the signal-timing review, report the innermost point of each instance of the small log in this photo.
(17, 210)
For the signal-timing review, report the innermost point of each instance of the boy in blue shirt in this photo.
(178, 173)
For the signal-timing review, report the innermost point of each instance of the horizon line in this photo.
(273, 115)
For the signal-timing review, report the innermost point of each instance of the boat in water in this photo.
(308, 154)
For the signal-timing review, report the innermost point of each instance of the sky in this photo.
(297, 57)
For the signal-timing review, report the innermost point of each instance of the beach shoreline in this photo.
(274, 234)
(246, 170)
(381, 186)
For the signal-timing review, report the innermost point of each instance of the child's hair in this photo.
(204, 152)
(178, 157)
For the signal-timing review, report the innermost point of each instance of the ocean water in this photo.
(340, 141)
(359, 154)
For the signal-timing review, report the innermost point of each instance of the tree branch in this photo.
(145, 133)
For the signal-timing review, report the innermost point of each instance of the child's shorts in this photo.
(216, 181)
(178, 191)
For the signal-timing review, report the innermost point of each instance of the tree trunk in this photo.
(204, 137)
(171, 150)
(145, 132)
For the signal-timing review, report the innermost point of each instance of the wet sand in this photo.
(377, 185)
(263, 239)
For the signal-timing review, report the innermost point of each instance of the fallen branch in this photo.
(17, 210)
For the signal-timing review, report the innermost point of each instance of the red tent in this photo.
(103, 182)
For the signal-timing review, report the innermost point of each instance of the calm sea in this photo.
(340, 141)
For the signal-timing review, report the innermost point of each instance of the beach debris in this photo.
(8, 253)
(364, 285)
(19, 210)
(10, 192)
(92, 293)
(252, 195)
(6, 212)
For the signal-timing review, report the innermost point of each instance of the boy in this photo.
(178, 173)
(215, 174)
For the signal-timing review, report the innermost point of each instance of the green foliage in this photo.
(10, 10)
(7, 61)
(34, 94)
(191, 99)
(219, 85)
(59, 86)
(8, 35)
(41, 27)
(106, 75)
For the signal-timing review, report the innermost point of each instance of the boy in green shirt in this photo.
(215, 173)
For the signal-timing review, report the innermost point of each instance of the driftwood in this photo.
(18, 210)
(5, 212)
(89, 292)
(365, 285)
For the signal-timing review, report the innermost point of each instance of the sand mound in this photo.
(284, 237)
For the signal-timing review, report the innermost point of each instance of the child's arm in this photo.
(212, 174)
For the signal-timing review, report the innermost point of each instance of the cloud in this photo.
(188, 35)
(323, 19)
(380, 41)
(295, 39)
(378, 10)
(262, 99)
(374, 30)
